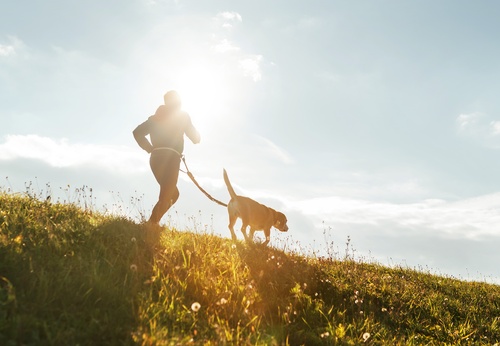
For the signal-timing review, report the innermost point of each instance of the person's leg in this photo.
(165, 166)
(166, 199)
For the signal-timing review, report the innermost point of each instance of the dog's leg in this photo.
(244, 231)
(267, 232)
(250, 236)
(232, 221)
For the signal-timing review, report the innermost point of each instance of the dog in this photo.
(253, 214)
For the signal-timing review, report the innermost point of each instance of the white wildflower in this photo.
(195, 306)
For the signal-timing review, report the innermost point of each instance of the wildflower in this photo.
(361, 312)
(384, 309)
(195, 306)
(133, 267)
(324, 335)
(366, 336)
(133, 240)
(233, 246)
(222, 301)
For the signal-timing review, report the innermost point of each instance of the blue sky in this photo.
(377, 120)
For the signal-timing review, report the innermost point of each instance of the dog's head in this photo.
(280, 221)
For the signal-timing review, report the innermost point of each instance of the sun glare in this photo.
(205, 95)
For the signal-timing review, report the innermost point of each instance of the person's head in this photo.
(172, 100)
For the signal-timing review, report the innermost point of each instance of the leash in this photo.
(191, 176)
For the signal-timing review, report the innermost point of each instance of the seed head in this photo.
(195, 306)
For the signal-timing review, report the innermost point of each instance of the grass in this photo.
(71, 276)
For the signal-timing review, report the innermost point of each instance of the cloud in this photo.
(62, 153)
(225, 46)
(6, 50)
(12, 47)
(495, 125)
(247, 63)
(480, 128)
(471, 218)
(250, 67)
(227, 19)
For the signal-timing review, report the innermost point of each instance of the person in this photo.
(166, 130)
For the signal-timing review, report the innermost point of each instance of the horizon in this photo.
(373, 121)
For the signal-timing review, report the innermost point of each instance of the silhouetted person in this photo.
(166, 129)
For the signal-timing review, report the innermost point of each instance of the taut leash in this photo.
(191, 176)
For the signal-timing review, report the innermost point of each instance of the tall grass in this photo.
(69, 275)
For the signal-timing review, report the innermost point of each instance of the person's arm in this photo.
(191, 132)
(140, 134)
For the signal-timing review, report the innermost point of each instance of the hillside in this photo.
(70, 276)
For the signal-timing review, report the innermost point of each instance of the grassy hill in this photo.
(70, 276)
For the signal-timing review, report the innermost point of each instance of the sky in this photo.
(373, 121)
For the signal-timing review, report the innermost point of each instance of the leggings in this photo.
(165, 165)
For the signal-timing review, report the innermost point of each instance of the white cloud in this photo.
(470, 218)
(236, 57)
(6, 50)
(230, 16)
(250, 67)
(225, 46)
(62, 153)
(495, 125)
(468, 122)
(12, 47)
(228, 19)
(480, 128)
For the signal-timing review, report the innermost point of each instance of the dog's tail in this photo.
(228, 184)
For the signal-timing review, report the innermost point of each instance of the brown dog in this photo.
(253, 214)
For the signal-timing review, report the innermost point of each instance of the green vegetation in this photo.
(72, 276)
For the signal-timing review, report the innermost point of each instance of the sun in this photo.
(206, 94)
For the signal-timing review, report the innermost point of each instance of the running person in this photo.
(166, 129)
